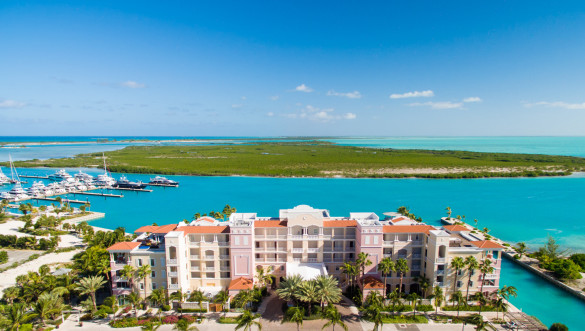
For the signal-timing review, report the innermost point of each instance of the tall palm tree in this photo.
(183, 325)
(394, 297)
(457, 298)
(333, 317)
(143, 273)
(401, 268)
(222, 297)
(295, 315)
(521, 249)
(179, 296)
(386, 266)
(507, 291)
(17, 316)
(448, 209)
(327, 290)
(308, 293)
(288, 289)
(413, 297)
(197, 296)
(129, 272)
(264, 276)
(46, 306)
(90, 285)
(480, 324)
(457, 263)
(134, 299)
(480, 297)
(485, 267)
(500, 304)
(374, 314)
(472, 265)
(439, 297)
(247, 321)
(362, 261)
(158, 297)
(424, 284)
(349, 269)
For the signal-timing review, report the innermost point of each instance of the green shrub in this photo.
(425, 308)
(182, 310)
(26, 327)
(227, 320)
(3, 257)
(166, 308)
(86, 317)
(554, 327)
(106, 309)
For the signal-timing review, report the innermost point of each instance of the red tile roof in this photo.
(207, 219)
(204, 229)
(487, 244)
(456, 228)
(398, 219)
(157, 229)
(371, 282)
(270, 224)
(241, 284)
(418, 228)
(124, 246)
(339, 224)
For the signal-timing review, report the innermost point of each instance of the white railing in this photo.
(281, 236)
(195, 268)
(224, 257)
(171, 261)
(313, 250)
(388, 243)
(271, 236)
(209, 269)
(312, 259)
(270, 259)
(297, 250)
(173, 273)
(119, 279)
(439, 284)
(194, 257)
(388, 255)
(173, 286)
(440, 260)
(296, 259)
(440, 272)
(326, 236)
(313, 237)
(224, 268)
(209, 257)
(296, 237)
(259, 237)
(195, 244)
(491, 276)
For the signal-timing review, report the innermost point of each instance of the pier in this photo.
(34, 176)
(129, 189)
(107, 195)
(63, 200)
(164, 185)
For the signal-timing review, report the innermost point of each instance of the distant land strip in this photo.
(318, 159)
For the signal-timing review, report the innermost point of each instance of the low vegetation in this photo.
(552, 258)
(318, 159)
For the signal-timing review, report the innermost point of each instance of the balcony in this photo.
(416, 256)
(338, 249)
(209, 269)
(326, 237)
(415, 268)
(174, 286)
(401, 256)
(119, 279)
(193, 268)
(491, 276)
(388, 255)
(297, 259)
(270, 259)
(440, 260)
(311, 259)
(296, 237)
(388, 243)
(172, 262)
(194, 257)
(440, 272)
(338, 260)
(313, 237)
(313, 250)
(439, 284)
(209, 258)
(223, 243)
(224, 257)
(194, 244)
(297, 250)
(173, 274)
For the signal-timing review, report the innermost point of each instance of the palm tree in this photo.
(448, 209)
(247, 321)
(143, 273)
(197, 296)
(334, 318)
(521, 249)
(480, 297)
(158, 297)
(264, 275)
(401, 268)
(46, 306)
(439, 297)
(228, 210)
(413, 297)
(472, 265)
(295, 315)
(134, 299)
(485, 267)
(221, 298)
(480, 324)
(386, 266)
(10, 294)
(507, 291)
(424, 284)
(129, 272)
(394, 297)
(349, 269)
(457, 298)
(183, 325)
(373, 314)
(362, 262)
(17, 316)
(308, 293)
(327, 290)
(90, 285)
(289, 288)
(457, 263)
(500, 304)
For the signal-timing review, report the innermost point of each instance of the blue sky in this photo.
(275, 68)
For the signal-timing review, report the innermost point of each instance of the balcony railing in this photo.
(313, 250)
(173, 274)
(338, 249)
(388, 243)
(270, 259)
(313, 237)
(224, 268)
(209, 257)
(440, 272)
(224, 257)
(491, 276)
(388, 255)
(194, 244)
(171, 261)
(416, 256)
(173, 286)
(223, 243)
(296, 237)
(401, 256)
(297, 250)
(194, 257)
(296, 259)
(193, 268)
(440, 260)
(415, 267)
(209, 269)
(312, 259)
(439, 284)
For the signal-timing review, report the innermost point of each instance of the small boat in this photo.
(60, 175)
(123, 182)
(163, 181)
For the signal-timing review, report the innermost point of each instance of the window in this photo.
(153, 274)
(164, 273)
(153, 286)
(152, 262)
(237, 240)
(375, 240)
(367, 240)
(141, 286)
(139, 262)
(495, 255)
(459, 272)
(459, 283)
(246, 240)
(162, 261)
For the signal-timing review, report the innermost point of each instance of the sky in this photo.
(292, 68)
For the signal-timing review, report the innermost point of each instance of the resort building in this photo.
(213, 255)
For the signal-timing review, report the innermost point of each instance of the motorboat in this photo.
(163, 181)
(56, 188)
(123, 182)
(83, 177)
(3, 178)
(18, 193)
(105, 179)
(60, 175)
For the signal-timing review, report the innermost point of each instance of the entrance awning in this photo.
(307, 271)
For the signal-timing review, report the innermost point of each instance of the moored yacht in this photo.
(56, 188)
(105, 179)
(3, 178)
(163, 181)
(83, 177)
(60, 175)
(123, 182)
(18, 193)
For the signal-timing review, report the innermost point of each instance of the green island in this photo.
(318, 159)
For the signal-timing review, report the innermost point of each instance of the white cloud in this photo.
(472, 99)
(415, 94)
(244, 97)
(11, 104)
(438, 105)
(350, 95)
(320, 114)
(269, 114)
(133, 84)
(557, 104)
(303, 88)
(239, 105)
(274, 97)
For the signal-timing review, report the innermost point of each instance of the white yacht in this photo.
(163, 181)
(56, 188)
(105, 179)
(37, 189)
(3, 178)
(83, 177)
(18, 193)
(60, 175)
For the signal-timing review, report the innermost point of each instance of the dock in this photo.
(164, 185)
(107, 195)
(129, 189)
(63, 200)
(34, 176)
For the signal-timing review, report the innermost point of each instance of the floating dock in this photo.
(107, 195)
(33, 176)
(129, 189)
(62, 200)
(164, 185)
